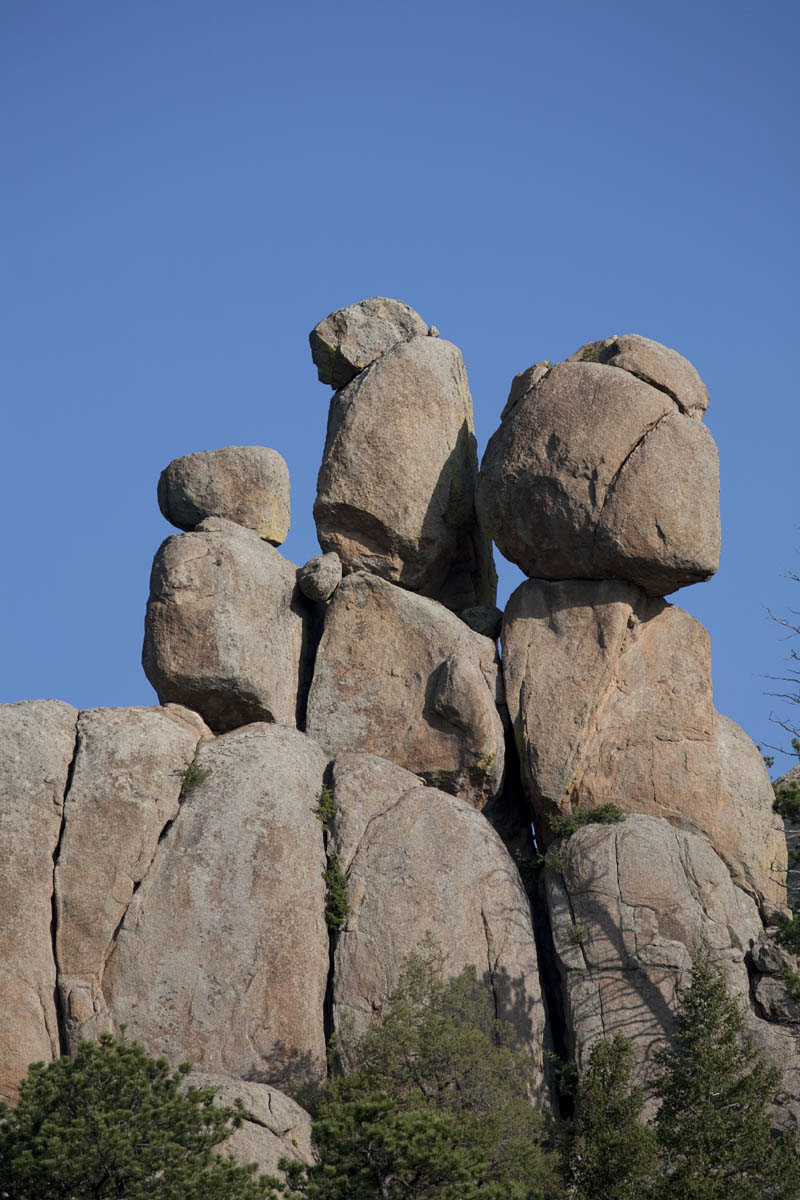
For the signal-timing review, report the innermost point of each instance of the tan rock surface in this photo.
(395, 494)
(417, 861)
(596, 474)
(125, 789)
(611, 700)
(222, 957)
(275, 1126)
(351, 338)
(37, 742)
(629, 907)
(225, 628)
(399, 676)
(248, 485)
(665, 369)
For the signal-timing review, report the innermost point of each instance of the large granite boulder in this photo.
(128, 775)
(248, 485)
(596, 473)
(274, 1126)
(630, 904)
(351, 338)
(396, 489)
(420, 861)
(657, 365)
(399, 676)
(226, 627)
(37, 743)
(222, 956)
(610, 696)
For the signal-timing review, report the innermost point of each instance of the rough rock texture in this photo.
(485, 619)
(125, 789)
(665, 369)
(596, 474)
(37, 742)
(222, 957)
(225, 631)
(395, 494)
(399, 676)
(275, 1126)
(610, 696)
(629, 907)
(792, 831)
(320, 577)
(349, 339)
(420, 860)
(248, 485)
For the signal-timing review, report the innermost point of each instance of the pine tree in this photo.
(713, 1126)
(434, 1104)
(114, 1122)
(610, 1153)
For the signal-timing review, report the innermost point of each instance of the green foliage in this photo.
(565, 824)
(791, 981)
(577, 935)
(590, 354)
(787, 795)
(193, 776)
(529, 867)
(435, 1103)
(712, 1126)
(337, 902)
(610, 1154)
(788, 933)
(114, 1122)
(326, 808)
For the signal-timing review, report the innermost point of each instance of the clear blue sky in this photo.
(189, 186)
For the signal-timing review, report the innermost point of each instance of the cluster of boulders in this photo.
(165, 866)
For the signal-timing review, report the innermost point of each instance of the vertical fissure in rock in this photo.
(333, 935)
(313, 626)
(61, 1016)
(552, 998)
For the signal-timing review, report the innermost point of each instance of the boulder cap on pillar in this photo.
(601, 469)
(248, 485)
(351, 338)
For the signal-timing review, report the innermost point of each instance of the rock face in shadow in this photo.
(396, 489)
(399, 676)
(248, 485)
(420, 860)
(630, 904)
(274, 1126)
(351, 338)
(222, 957)
(596, 474)
(37, 742)
(226, 628)
(130, 766)
(610, 697)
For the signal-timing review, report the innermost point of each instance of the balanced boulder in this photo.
(225, 631)
(222, 956)
(598, 473)
(248, 485)
(351, 338)
(399, 676)
(395, 494)
(273, 1126)
(610, 695)
(420, 861)
(320, 577)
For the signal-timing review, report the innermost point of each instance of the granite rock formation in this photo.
(350, 339)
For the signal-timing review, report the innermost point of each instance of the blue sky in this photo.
(189, 187)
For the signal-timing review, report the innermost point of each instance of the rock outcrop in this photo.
(630, 905)
(420, 860)
(222, 956)
(610, 697)
(226, 628)
(129, 771)
(596, 473)
(37, 743)
(396, 489)
(248, 485)
(274, 1126)
(399, 676)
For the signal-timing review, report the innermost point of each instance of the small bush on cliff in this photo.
(434, 1104)
(713, 1126)
(114, 1122)
(568, 823)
